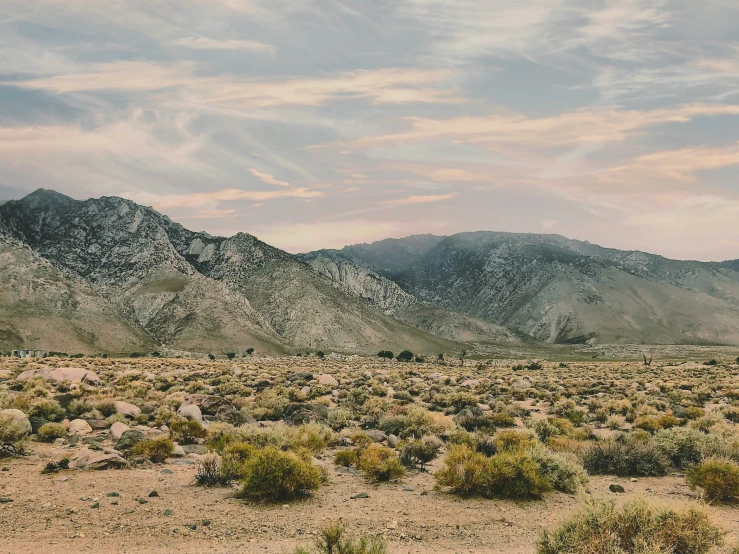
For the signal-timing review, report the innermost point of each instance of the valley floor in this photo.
(49, 514)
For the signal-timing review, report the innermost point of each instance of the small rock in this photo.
(95, 505)
(153, 494)
(113, 495)
(79, 427)
(5, 500)
(360, 495)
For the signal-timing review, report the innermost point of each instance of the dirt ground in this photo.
(54, 513)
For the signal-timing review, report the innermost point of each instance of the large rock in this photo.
(79, 427)
(328, 380)
(521, 384)
(206, 403)
(297, 413)
(117, 430)
(127, 409)
(74, 375)
(129, 439)
(20, 418)
(191, 411)
(88, 459)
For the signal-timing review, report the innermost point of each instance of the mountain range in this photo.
(108, 275)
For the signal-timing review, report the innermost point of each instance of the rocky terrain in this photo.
(559, 290)
(87, 473)
(176, 288)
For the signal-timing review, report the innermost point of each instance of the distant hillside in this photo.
(170, 286)
(561, 290)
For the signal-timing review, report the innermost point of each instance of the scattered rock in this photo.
(117, 430)
(88, 459)
(19, 417)
(79, 427)
(327, 380)
(617, 489)
(129, 439)
(127, 409)
(191, 411)
(359, 495)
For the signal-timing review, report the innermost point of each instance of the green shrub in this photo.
(638, 528)
(380, 463)
(719, 478)
(313, 436)
(49, 432)
(347, 458)
(631, 458)
(107, 408)
(386, 354)
(510, 441)
(234, 457)
(684, 447)
(273, 475)
(186, 431)
(506, 475)
(419, 452)
(339, 419)
(156, 450)
(563, 471)
(405, 356)
(332, 540)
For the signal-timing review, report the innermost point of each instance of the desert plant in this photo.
(106, 407)
(380, 463)
(209, 472)
(347, 458)
(156, 450)
(271, 474)
(405, 356)
(719, 478)
(234, 456)
(419, 452)
(684, 447)
(564, 472)
(49, 432)
(333, 540)
(631, 458)
(506, 475)
(187, 431)
(638, 528)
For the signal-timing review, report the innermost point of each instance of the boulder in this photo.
(484, 407)
(376, 435)
(470, 383)
(126, 409)
(206, 403)
(129, 439)
(89, 459)
(392, 441)
(179, 452)
(20, 418)
(521, 384)
(79, 427)
(75, 375)
(191, 411)
(117, 430)
(328, 380)
(297, 413)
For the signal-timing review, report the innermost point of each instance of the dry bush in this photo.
(506, 475)
(419, 452)
(312, 436)
(49, 432)
(333, 540)
(273, 475)
(380, 463)
(209, 472)
(638, 528)
(156, 450)
(630, 458)
(719, 478)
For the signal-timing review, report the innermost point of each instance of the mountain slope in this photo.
(192, 291)
(560, 290)
(387, 295)
(43, 306)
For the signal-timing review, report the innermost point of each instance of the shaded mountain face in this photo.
(560, 290)
(189, 290)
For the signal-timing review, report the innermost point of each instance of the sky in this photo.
(320, 123)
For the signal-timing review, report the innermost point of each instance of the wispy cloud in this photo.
(204, 43)
(269, 179)
(427, 199)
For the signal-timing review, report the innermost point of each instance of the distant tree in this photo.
(462, 356)
(155, 354)
(211, 357)
(420, 359)
(440, 358)
(320, 354)
(231, 355)
(405, 356)
(387, 354)
(249, 351)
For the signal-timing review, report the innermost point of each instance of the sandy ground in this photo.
(53, 513)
